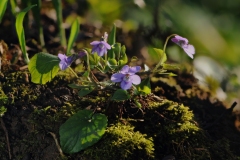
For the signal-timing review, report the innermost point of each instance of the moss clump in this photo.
(176, 132)
(121, 142)
(173, 129)
(177, 121)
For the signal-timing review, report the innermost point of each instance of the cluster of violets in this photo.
(127, 75)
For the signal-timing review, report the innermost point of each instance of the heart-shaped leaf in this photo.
(43, 67)
(120, 95)
(157, 55)
(82, 130)
(85, 91)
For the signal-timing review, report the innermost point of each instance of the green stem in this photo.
(105, 58)
(73, 72)
(164, 48)
(88, 63)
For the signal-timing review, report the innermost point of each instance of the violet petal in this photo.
(135, 79)
(190, 50)
(117, 77)
(126, 85)
(133, 70)
(125, 69)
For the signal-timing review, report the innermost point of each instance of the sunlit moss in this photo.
(173, 128)
(122, 142)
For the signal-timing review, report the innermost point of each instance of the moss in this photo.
(121, 142)
(176, 132)
(173, 127)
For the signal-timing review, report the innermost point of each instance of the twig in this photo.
(6, 134)
(57, 144)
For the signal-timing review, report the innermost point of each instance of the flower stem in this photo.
(164, 48)
(73, 72)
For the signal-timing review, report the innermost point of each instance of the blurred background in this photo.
(212, 27)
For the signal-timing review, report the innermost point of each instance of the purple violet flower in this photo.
(100, 47)
(81, 54)
(183, 43)
(65, 61)
(127, 77)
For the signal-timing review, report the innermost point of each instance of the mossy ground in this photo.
(170, 122)
(177, 120)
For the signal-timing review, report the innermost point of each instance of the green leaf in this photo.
(123, 57)
(37, 19)
(144, 87)
(74, 86)
(93, 59)
(170, 66)
(112, 63)
(112, 36)
(82, 130)
(120, 95)
(43, 67)
(20, 31)
(137, 103)
(3, 7)
(117, 50)
(73, 35)
(162, 55)
(85, 91)
(86, 74)
(13, 4)
(112, 41)
(157, 55)
(171, 74)
(2, 111)
(123, 60)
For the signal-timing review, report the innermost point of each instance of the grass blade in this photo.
(58, 7)
(13, 4)
(73, 35)
(37, 17)
(112, 41)
(3, 7)
(20, 31)
(112, 36)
